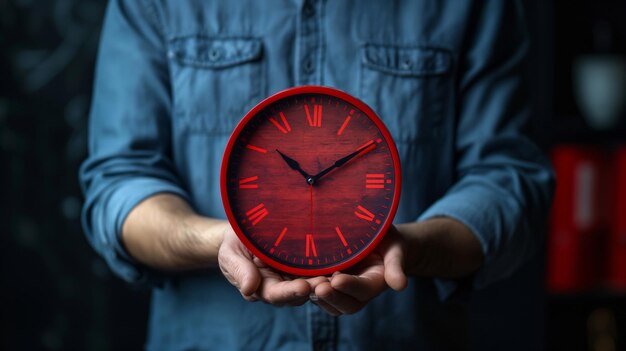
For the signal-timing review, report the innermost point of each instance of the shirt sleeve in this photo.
(129, 131)
(504, 182)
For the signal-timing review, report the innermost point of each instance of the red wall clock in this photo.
(310, 180)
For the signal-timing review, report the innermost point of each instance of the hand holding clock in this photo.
(268, 222)
(254, 279)
(321, 229)
(343, 227)
(347, 293)
(438, 247)
(163, 232)
(418, 249)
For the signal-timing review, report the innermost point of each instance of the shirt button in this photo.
(406, 64)
(214, 54)
(308, 66)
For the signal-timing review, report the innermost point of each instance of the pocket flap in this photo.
(407, 61)
(206, 52)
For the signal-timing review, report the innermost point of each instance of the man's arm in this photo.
(438, 247)
(129, 133)
(487, 223)
(136, 213)
(164, 232)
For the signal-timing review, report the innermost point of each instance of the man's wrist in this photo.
(440, 247)
(164, 232)
(196, 242)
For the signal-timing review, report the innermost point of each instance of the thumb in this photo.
(393, 258)
(237, 266)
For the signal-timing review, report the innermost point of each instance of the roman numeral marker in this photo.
(316, 121)
(256, 214)
(343, 240)
(345, 123)
(244, 183)
(280, 237)
(363, 213)
(285, 127)
(256, 148)
(310, 247)
(375, 181)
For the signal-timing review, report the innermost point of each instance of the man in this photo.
(173, 79)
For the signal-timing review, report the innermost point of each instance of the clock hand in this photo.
(293, 164)
(340, 162)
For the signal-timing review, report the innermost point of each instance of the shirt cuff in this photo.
(112, 213)
(482, 212)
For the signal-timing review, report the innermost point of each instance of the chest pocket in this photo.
(409, 87)
(215, 81)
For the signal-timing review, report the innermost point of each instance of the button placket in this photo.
(323, 327)
(309, 37)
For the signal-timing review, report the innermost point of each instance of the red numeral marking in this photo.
(316, 121)
(345, 123)
(363, 213)
(285, 127)
(374, 181)
(310, 246)
(244, 183)
(256, 148)
(256, 214)
(280, 237)
(343, 240)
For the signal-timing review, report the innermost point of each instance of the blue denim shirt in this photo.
(174, 78)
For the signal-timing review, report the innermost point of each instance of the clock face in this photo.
(310, 180)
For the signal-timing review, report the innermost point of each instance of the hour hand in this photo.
(293, 164)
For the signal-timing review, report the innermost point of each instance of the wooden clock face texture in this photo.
(310, 180)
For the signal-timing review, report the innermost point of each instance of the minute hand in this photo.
(340, 162)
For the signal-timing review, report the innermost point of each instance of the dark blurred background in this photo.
(56, 294)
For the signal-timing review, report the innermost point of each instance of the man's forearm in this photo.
(164, 232)
(440, 247)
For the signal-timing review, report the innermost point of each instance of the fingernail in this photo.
(313, 297)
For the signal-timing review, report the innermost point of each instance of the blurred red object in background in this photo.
(576, 258)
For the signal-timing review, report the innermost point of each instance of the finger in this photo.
(315, 281)
(362, 288)
(251, 298)
(393, 258)
(258, 262)
(239, 270)
(293, 292)
(341, 302)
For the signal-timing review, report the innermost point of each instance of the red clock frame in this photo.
(386, 222)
